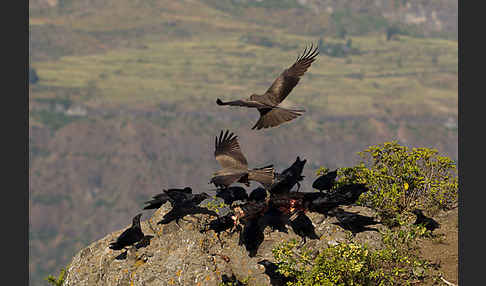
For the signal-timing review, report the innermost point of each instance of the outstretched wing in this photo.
(228, 152)
(289, 78)
(244, 103)
(228, 179)
(275, 116)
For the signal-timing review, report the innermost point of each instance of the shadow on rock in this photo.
(276, 278)
(231, 280)
(251, 236)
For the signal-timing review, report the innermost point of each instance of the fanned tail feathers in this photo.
(264, 175)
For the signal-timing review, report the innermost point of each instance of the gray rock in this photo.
(185, 256)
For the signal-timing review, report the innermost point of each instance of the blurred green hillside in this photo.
(124, 100)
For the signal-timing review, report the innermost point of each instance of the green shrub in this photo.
(355, 264)
(400, 180)
(58, 281)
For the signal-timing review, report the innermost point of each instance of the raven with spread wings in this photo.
(235, 166)
(267, 104)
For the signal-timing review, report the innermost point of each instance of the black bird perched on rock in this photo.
(353, 222)
(231, 194)
(258, 195)
(267, 104)
(235, 167)
(289, 177)
(325, 182)
(346, 194)
(179, 213)
(428, 222)
(170, 195)
(303, 227)
(276, 278)
(219, 225)
(186, 204)
(130, 236)
(324, 202)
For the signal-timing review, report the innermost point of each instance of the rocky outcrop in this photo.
(185, 255)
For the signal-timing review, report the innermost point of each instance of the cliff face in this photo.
(186, 256)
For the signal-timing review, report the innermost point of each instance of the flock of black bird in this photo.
(278, 202)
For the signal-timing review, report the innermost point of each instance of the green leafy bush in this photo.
(355, 264)
(58, 281)
(400, 180)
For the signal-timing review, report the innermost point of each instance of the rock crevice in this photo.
(183, 254)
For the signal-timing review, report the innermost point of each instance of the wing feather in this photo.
(228, 153)
(289, 78)
(243, 102)
(275, 116)
(228, 179)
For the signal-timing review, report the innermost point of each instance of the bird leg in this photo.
(219, 239)
(302, 242)
(177, 222)
(298, 186)
(122, 255)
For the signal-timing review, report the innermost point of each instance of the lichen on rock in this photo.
(181, 254)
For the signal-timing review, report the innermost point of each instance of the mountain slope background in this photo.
(123, 103)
